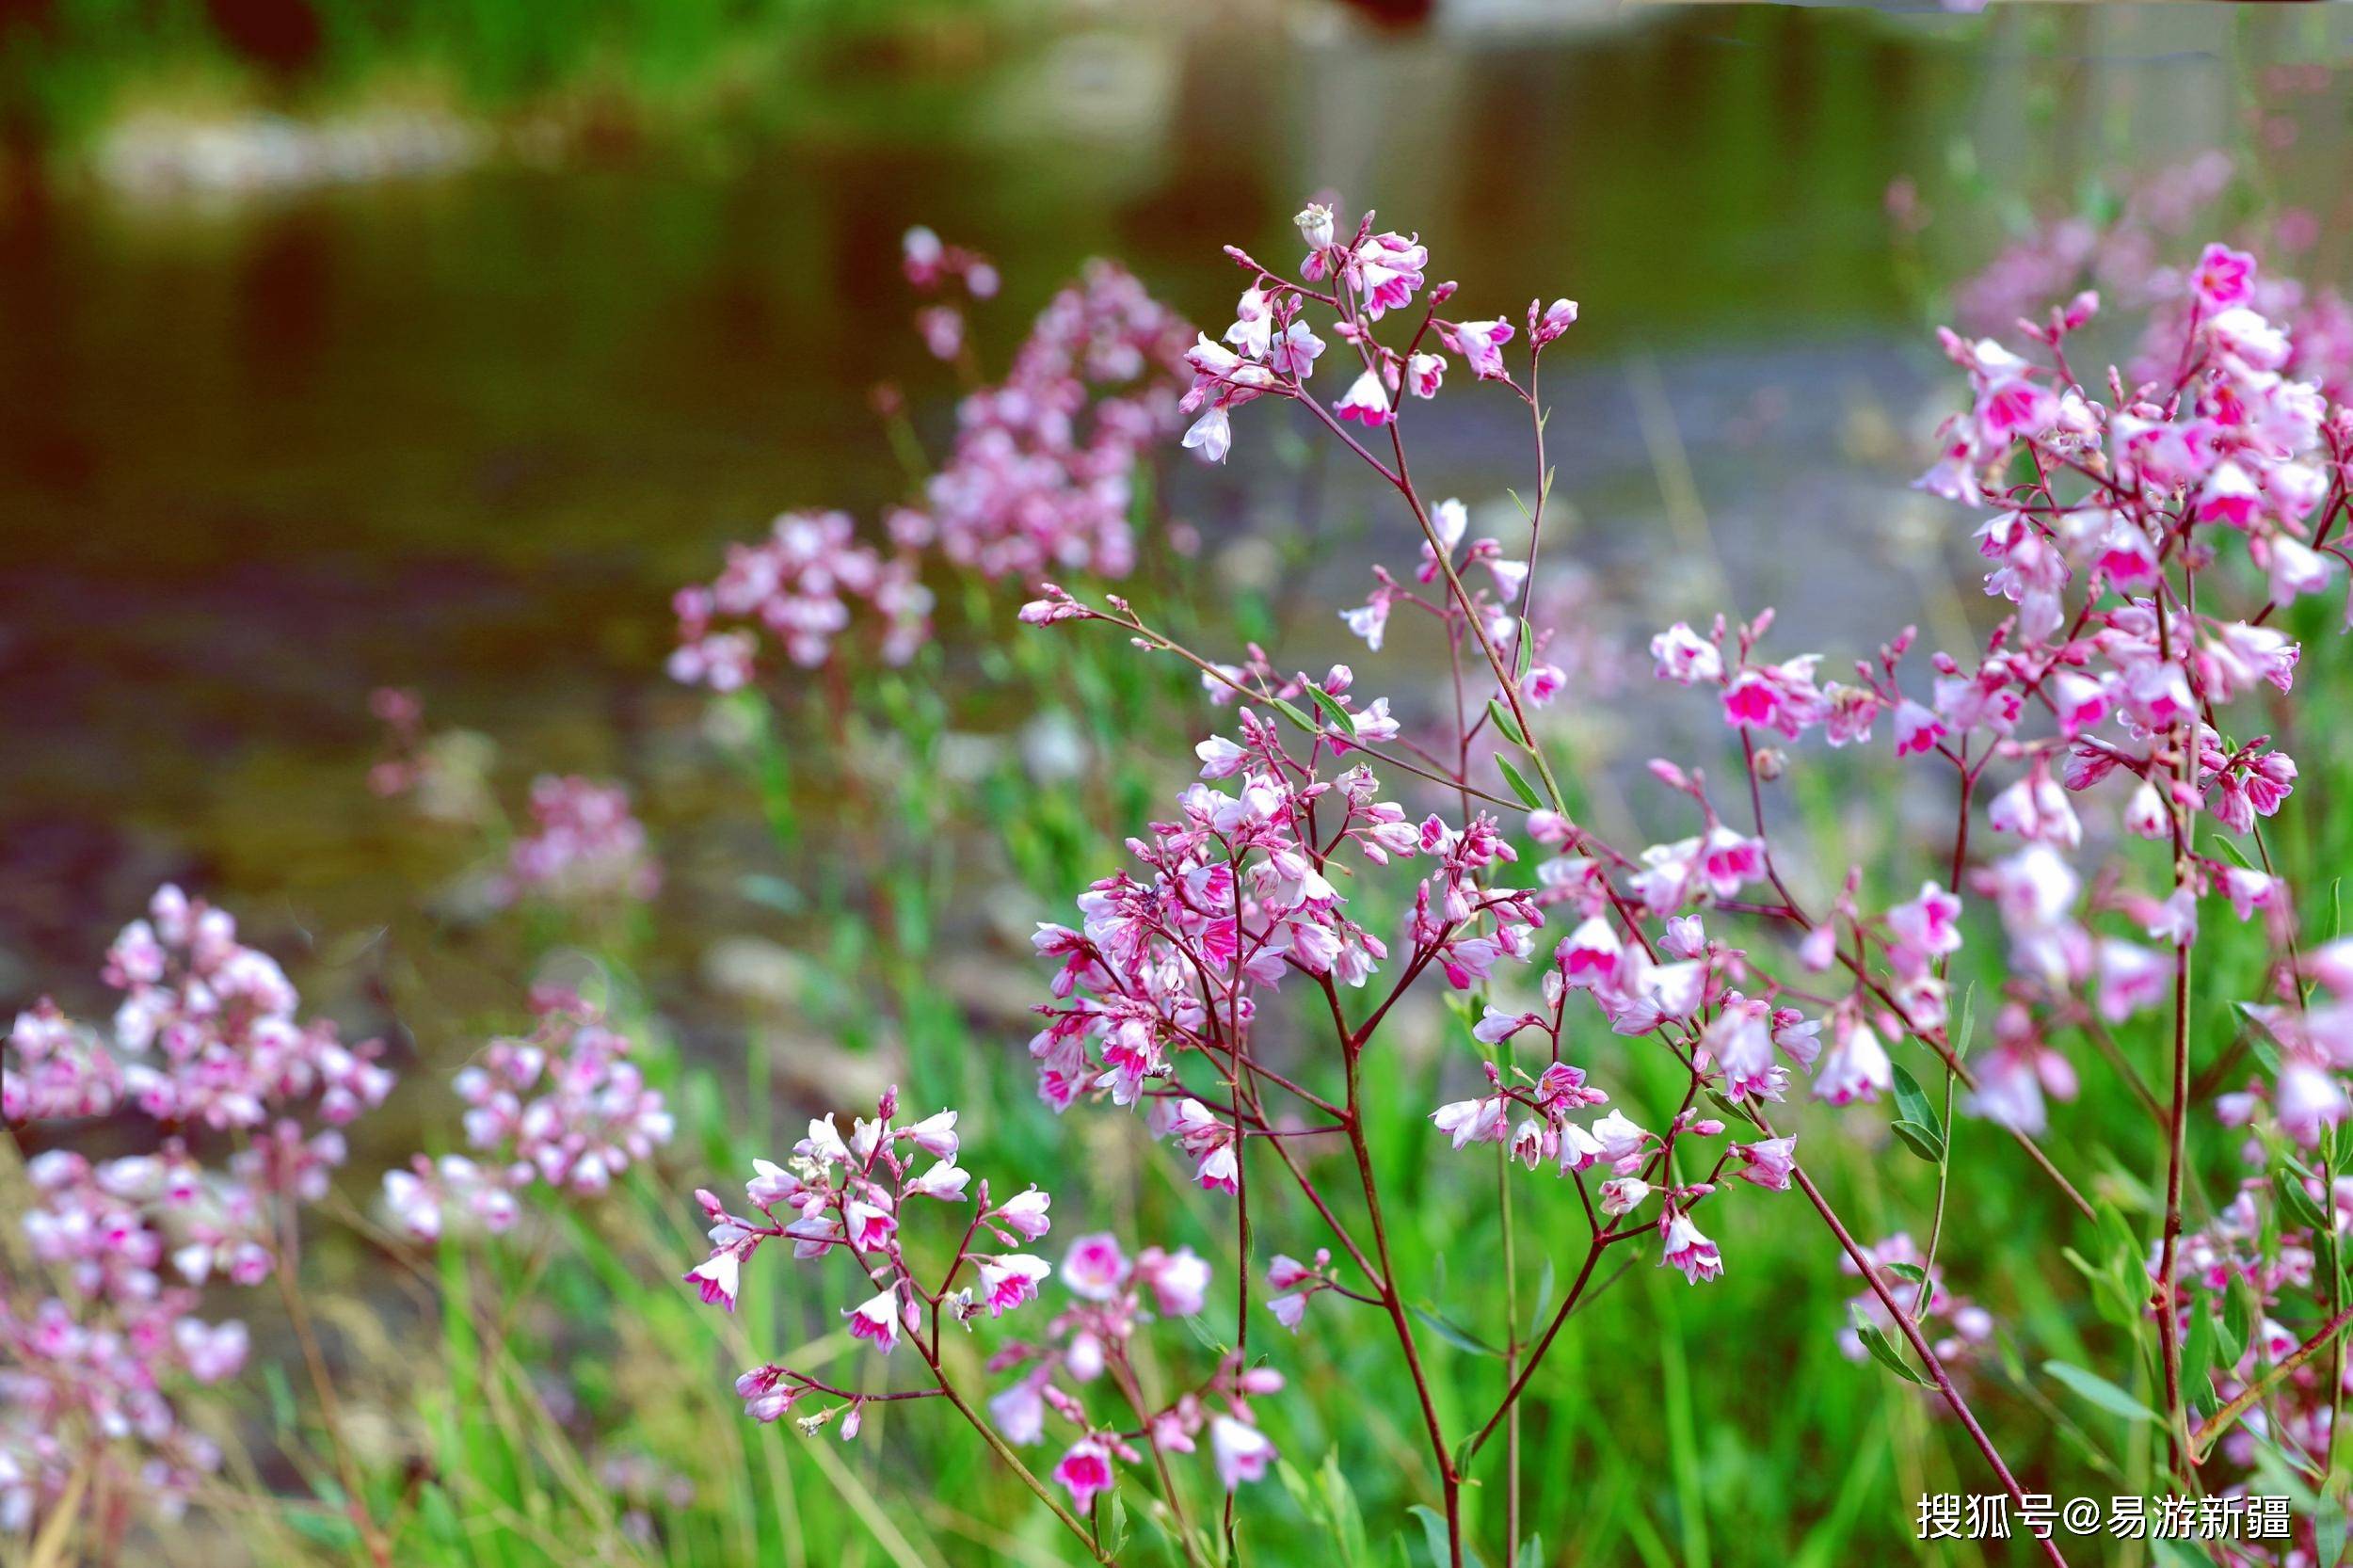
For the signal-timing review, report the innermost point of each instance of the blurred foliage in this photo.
(69, 67)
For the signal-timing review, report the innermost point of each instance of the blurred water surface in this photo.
(464, 431)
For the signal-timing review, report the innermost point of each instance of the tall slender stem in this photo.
(1920, 1346)
(1450, 1483)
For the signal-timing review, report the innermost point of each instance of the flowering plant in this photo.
(2127, 519)
(244, 1107)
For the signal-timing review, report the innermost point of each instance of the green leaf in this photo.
(1453, 1333)
(2198, 1362)
(1502, 716)
(1910, 1273)
(2329, 1528)
(328, 1530)
(1118, 1532)
(2216, 841)
(2298, 1202)
(1434, 1533)
(1347, 1520)
(1525, 650)
(1198, 1323)
(1733, 1108)
(1920, 1141)
(1290, 711)
(2100, 1391)
(1333, 711)
(1884, 1352)
(2232, 1346)
(1912, 1103)
(1529, 797)
(2118, 1308)
(1532, 1552)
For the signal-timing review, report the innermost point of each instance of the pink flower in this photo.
(1084, 1470)
(2295, 569)
(1768, 1163)
(1475, 1120)
(1008, 1280)
(1293, 352)
(1480, 343)
(2132, 978)
(1782, 698)
(1212, 435)
(1387, 268)
(1423, 375)
(718, 1277)
(942, 327)
(1741, 1042)
(877, 1321)
(1368, 402)
(2224, 277)
(2011, 1080)
(1929, 927)
(935, 1134)
(1623, 1142)
(1242, 1451)
(1557, 319)
(2309, 1099)
(1684, 1248)
(1687, 657)
(1855, 1067)
(1180, 1281)
(1095, 1267)
(1025, 1213)
(2036, 807)
(1018, 1413)
(1623, 1195)
(1917, 730)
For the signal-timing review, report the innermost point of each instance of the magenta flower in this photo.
(1682, 1247)
(1084, 1470)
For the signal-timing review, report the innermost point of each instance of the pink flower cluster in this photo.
(2243, 1271)
(205, 1047)
(2135, 680)
(565, 1108)
(1271, 350)
(1236, 894)
(1091, 1342)
(72, 1380)
(800, 586)
(933, 266)
(2123, 258)
(586, 846)
(57, 1069)
(1736, 1042)
(848, 1195)
(1041, 475)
